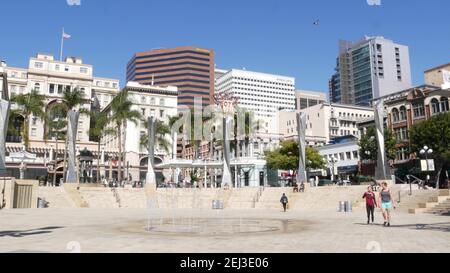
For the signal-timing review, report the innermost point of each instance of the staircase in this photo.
(243, 198)
(56, 196)
(187, 198)
(443, 204)
(270, 198)
(99, 197)
(132, 198)
(429, 200)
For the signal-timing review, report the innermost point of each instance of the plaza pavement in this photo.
(207, 231)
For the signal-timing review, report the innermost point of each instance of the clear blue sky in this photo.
(274, 36)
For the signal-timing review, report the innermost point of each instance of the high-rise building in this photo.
(191, 69)
(263, 94)
(369, 69)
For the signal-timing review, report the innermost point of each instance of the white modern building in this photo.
(369, 69)
(150, 101)
(263, 94)
(325, 122)
(51, 78)
(342, 157)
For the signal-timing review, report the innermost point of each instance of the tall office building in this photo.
(189, 68)
(264, 94)
(369, 69)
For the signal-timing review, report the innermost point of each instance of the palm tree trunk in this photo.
(119, 138)
(25, 136)
(56, 162)
(98, 161)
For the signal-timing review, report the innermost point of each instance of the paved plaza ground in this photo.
(207, 231)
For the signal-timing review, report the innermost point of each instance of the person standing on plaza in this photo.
(387, 203)
(284, 201)
(371, 204)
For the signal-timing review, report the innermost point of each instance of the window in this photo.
(152, 101)
(107, 84)
(83, 91)
(60, 89)
(34, 121)
(401, 134)
(114, 85)
(403, 113)
(83, 70)
(349, 156)
(435, 105)
(57, 67)
(355, 155)
(143, 100)
(143, 111)
(66, 69)
(402, 154)
(38, 65)
(342, 157)
(152, 112)
(303, 104)
(445, 107)
(395, 115)
(33, 132)
(419, 110)
(37, 87)
(51, 89)
(161, 113)
(162, 102)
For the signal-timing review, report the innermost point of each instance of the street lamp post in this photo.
(428, 152)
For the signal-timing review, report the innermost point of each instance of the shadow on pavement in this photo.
(31, 232)
(445, 227)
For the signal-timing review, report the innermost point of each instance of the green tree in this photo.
(287, 158)
(368, 147)
(31, 104)
(434, 133)
(162, 130)
(122, 113)
(98, 130)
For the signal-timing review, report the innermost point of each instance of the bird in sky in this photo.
(316, 23)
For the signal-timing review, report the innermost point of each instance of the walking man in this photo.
(284, 201)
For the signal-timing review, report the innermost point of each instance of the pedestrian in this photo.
(284, 201)
(371, 204)
(387, 203)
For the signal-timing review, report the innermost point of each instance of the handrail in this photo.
(116, 196)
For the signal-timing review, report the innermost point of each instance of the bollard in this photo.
(349, 206)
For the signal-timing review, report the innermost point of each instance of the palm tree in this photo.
(98, 130)
(29, 104)
(57, 128)
(162, 130)
(71, 99)
(122, 112)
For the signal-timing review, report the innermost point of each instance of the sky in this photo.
(271, 36)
